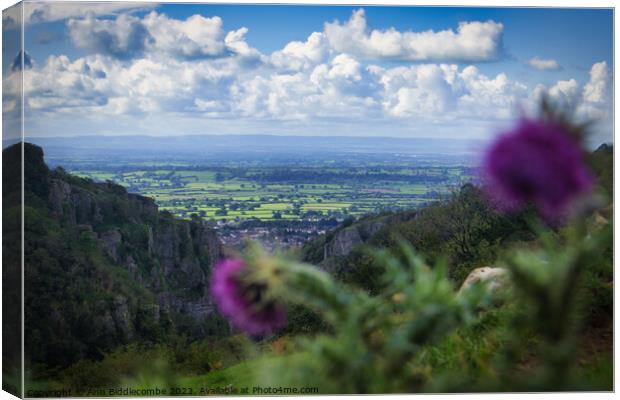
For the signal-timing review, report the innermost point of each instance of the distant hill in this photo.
(205, 149)
(103, 267)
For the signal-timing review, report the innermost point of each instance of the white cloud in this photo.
(417, 91)
(340, 90)
(473, 41)
(595, 89)
(596, 104)
(343, 66)
(588, 103)
(544, 64)
(194, 37)
(443, 92)
(299, 55)
(207, 105)
(490, 98)
(124, 37)
(565, 94)
(194, 70)
(128, 37)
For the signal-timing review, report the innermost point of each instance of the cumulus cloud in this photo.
(596, 104)
(595, 90)
(195, 37)
(338, 88)
(200, 37)
(195, 70)
(124, 37)
(444, 92)
(565, 94)
(544, 64)
(298, 55)
(473, 41)
(127, 37)
(61, 84)
(417, 90)
(590, 102)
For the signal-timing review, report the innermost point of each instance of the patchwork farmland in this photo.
(228, 195)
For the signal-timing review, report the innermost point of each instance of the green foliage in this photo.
(463, 229)
(416, 334)
(313, 251)
(601, 162)
(373, 336)
(554, 283)
(360, 269)
(136, 363)
(303, 320)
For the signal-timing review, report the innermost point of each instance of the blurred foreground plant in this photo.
(381, 343)
(374, 337)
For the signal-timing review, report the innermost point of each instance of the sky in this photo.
(176, 69)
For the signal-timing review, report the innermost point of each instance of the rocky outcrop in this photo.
(123, 319)
(110, 241)
(345, 240)
(104, 267)
(185, 252)
(167, 256)
(343, 243)
(59, 194)
(494, 278)
(73, 204)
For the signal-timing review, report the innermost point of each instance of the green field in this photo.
(270, 194)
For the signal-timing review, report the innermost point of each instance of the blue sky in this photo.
(372, 70)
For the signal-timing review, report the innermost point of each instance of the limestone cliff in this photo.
(104, 266)
(342, 241)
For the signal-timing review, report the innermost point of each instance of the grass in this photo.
(251, 374)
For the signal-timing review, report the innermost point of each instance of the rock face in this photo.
(342, 243)
(183, 251)
(102, 267)
(110, 241)
(167, 258)
(495, 278)
(347, 239)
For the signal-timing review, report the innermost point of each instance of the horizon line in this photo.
(247, 135)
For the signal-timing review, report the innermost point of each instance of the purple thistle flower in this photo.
(538, 163)
(242, 303)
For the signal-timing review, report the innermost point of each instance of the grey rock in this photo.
(176, 255)
(495, 279)
(123, 318)
(347, 239)
(59, 194)
(343, 243)
(110, 241)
